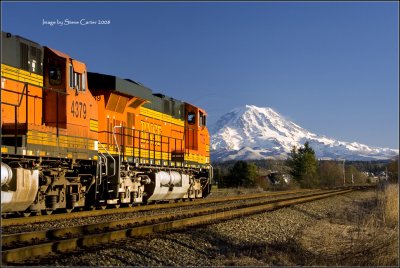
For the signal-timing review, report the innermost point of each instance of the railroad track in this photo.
(93, 213)
(22, 247)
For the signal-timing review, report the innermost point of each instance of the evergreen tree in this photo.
(242, 174)
(303, 166)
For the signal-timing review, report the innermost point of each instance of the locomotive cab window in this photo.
(79, 81)
(191, 118)
(55, 75)
(202, 119)
(71, 76)
(84, 81)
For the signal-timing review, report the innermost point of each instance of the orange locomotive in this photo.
(73, 139)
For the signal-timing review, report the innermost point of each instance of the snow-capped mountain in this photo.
(251, 132)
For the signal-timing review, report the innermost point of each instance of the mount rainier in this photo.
(251, 132)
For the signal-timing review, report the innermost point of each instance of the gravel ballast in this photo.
(331, 231)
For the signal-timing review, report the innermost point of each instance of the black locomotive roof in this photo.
(100, 82)
(158, 102)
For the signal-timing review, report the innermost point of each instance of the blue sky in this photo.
(331, 67)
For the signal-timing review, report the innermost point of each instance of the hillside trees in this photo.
(393, 170)
(241, 174)
(304, 169)
(353, 175)
(330, 173)
(303, 164)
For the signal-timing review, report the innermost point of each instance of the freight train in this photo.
(74, 140)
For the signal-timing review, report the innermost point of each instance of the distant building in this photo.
(277, 178)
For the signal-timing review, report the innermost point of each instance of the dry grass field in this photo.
(368, 237)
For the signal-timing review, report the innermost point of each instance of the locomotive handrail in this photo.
(151, 139)
(116, 143)
(15, 92)
(101, 159)
(22, 96)
(142, 131)
(109, 155)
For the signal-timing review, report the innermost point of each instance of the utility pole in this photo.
(344, 174)
(386, 175)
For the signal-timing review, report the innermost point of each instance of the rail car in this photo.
(75, 139)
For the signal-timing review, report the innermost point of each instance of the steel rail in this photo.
(92, 213)
(19, 255)
(9, 239)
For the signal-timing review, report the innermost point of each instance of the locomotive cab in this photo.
(68, 104)
(196, 137)
(197, 146)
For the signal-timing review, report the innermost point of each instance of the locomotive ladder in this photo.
(103, 159)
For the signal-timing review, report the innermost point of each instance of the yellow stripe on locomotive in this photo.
(21, 75)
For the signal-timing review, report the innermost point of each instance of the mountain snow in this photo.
(252, 132)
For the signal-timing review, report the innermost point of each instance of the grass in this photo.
(377, 241)
(388, 205)
(374, 239)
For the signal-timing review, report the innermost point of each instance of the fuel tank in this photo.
(167, 185)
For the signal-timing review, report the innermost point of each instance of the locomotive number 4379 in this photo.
(78, 109)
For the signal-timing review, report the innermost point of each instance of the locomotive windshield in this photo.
(55, 75)
(191, 118)
(202, 120)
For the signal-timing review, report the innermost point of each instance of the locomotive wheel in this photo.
(103, 207)
(47, 211)
(26, 214)
(69, 210)
(117, 206)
